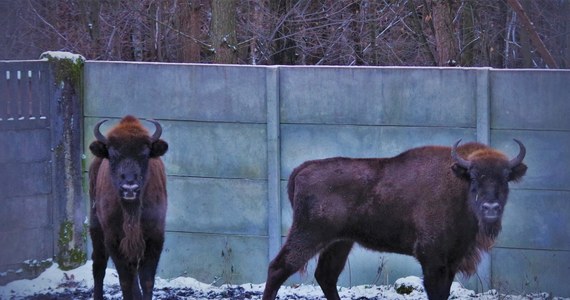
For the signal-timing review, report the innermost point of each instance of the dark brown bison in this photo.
(441, 205)
(127, 187)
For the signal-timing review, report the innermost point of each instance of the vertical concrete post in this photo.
(483, 98)
(273, 162)
(70, 229)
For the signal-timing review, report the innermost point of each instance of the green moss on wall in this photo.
(69, 256)
(67, 68)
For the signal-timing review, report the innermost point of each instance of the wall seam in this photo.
(273, 162)
(483, 120)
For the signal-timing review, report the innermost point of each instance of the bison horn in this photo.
(158, 132)
(517, 160)
(98, 135)
(460, 161)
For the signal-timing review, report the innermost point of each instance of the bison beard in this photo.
(442, 205)
(484, 242)
(132, 245)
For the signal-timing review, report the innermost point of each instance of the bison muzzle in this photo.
(127, 187)
(441, 205)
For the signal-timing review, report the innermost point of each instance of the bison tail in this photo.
(303, 270)
(291, 189)
(291, 183)
(93, 171)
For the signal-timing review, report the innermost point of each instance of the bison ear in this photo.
(460, 171)
(158, 148)
(99, 149)
(517, 172)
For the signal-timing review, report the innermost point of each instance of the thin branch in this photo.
(534, 37)
(47, 23)
(178, 31)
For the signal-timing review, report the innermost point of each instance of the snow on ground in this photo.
(77, 284)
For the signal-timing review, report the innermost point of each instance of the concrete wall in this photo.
(26, 189)
(236, 132)
(532, 252)
(41, 214)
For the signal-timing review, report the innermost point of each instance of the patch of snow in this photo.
(78, 283)
(53, 280)
(62, 55)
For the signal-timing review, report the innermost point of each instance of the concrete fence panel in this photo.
(237, 132)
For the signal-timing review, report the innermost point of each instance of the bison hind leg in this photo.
(331, 263)
(295, 253)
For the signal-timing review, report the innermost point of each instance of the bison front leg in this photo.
(437, 281)
(330, 265)
(99, 257)
(128, 279)
(147, 269)
(146, 277)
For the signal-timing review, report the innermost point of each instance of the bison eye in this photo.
(506, 174)
(114, 154)
(145, 152)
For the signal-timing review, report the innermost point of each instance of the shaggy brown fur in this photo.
(444, 211)
(127, 187)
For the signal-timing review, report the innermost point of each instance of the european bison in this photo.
(441, 205)
(127, 187)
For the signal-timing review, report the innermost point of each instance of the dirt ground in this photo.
(237, 293)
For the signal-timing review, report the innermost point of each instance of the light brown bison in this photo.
(127, 187)
(441, 205)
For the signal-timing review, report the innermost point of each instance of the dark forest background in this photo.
(471, 33)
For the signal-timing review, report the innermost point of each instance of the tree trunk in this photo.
(358, 17)
(468, 36)
(284, 46)
(445, 41)
(90, 11)
(526, 50)
(190, 22)
(257, 24)
(565, 38)
(496, 36)
(137, 36)
(223, 31)
(418, 30)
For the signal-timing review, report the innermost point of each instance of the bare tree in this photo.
(311, 32)
(281, 36)
(16, 38)
(443, 15)
(416, 27)
(536, 40)
(191, 19)
(254, 22)
(564, 39)
(223, 31)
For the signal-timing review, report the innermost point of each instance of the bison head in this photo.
(128, 148)
(488, 171)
